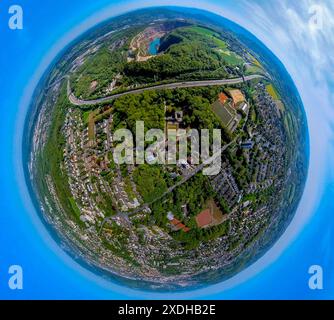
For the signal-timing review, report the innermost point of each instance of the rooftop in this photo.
(237, 96)
(223, 97)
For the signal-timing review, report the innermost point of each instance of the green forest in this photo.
(102, 68)
(150, 108)
(187, 53)
(51, 159)
(147, 107)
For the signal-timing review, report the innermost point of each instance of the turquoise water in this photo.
(154, 47)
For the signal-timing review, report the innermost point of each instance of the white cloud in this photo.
(304, 28)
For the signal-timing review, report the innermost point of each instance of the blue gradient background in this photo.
(283, 272)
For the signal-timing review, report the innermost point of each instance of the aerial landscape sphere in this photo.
(166, 149)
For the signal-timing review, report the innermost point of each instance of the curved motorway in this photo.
(187, 84)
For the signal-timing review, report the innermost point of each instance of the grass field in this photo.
(75, 208)
(280, 105)
(254, 69)
(290, 125)
(85, 117)
(229, 57)
(204, 31)
(91, 126)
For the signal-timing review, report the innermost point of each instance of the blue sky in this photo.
(288, 28)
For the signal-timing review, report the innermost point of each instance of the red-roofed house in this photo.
(223, 98)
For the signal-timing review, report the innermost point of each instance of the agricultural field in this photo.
(273, 92)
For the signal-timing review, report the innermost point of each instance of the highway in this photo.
(187, 84)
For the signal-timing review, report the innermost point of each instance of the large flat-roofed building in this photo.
(237, 97)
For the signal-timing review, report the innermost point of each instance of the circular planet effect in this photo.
(166, 227)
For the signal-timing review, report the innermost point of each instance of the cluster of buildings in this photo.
(122, 200)
(269, 139)
(148, 249)
(227, 107)
(265, 151)
(225, 186)
(80, 182)
(170, 146)
(86, 161)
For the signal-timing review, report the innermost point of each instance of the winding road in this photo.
(188, 84)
